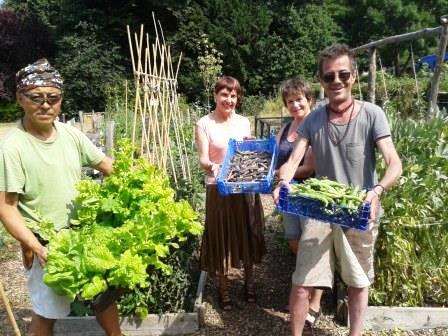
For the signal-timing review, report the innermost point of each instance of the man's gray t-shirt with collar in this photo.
(352, 161)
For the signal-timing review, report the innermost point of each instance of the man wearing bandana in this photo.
(40, 164)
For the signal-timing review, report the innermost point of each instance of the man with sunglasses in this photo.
(40, 164)
(344, 135)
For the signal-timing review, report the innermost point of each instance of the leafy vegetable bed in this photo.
(127, 234)
(411, 256)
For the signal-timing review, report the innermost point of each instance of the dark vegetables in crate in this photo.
(247, 166)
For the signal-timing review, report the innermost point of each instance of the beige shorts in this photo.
(45, 301)
(322, 244)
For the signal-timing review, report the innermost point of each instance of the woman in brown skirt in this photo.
(234, 224)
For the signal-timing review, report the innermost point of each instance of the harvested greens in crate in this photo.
(248, 167)
(327, 201)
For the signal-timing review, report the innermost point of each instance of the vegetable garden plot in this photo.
(153, 324)
(126, 231)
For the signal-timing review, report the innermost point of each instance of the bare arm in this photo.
(204, 160)
(391, 175)
(15, 224)
(287, 171)
(106, 166)
(394, 168)
(277, 141)
(307, 168)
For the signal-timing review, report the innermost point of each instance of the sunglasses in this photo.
(343, 76)
(39, 99)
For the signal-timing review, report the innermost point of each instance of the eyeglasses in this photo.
(343, 75)
(51, 99)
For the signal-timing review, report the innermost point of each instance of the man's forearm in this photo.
(303, 172)
(393, 163)
(391, 175)
(15, 224)
(288, 170)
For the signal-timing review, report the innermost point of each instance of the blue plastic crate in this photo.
(263, 186)
(307, 207)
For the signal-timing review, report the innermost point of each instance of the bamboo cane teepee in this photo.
(157, 119)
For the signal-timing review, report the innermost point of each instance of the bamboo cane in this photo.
(171, 111)
(157, 106)
(9, 310)
(146, 86)
(184, 152)
(131, 49)
(126, 107)
(139, 44)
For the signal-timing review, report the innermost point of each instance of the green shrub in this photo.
(166, 293)
(252, 105)
(411, 255)
(9, 111)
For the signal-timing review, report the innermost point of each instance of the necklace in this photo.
(343, 110)
(333, 137)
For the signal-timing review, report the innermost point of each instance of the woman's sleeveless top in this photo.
(285, 148)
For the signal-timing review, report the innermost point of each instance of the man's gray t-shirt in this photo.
(352, 161)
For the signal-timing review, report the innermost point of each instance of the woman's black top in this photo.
(285, 148)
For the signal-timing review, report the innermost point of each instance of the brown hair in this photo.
(292, 86)
(335, 51)
(230, 83)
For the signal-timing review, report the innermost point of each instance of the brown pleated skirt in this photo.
(234, 231)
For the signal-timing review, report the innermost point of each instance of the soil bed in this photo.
(268, 317)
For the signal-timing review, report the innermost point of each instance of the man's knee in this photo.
(300, 292)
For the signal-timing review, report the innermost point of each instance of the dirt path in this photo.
(13, 279)
(267, 318)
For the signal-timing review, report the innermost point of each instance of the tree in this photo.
(87, 65)
(210, 65)
(192, 24)
(309, 30)
(23, 40)
(384, 18)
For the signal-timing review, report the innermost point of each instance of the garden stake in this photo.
(156, 110)
(9, 310)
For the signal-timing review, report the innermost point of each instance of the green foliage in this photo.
(47, 10)
(403, 95)
(193, 189)
(411, 251)
(9, 111)
(210, 65)
(253, 105)
(87, 65)
(127, 224)
(311, 29)
(382, 18)
(5, 239)
(444, 78)
(262, 43)
(24, 38)
(273, 108)
(116, 108)
(166, 293)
